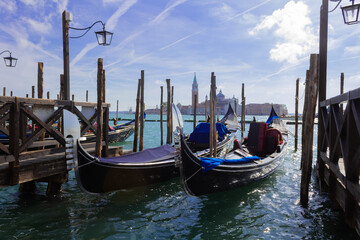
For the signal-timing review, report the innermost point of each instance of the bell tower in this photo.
(195, 91)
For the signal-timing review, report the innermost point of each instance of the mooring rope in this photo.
(87, 163)
(193, 175)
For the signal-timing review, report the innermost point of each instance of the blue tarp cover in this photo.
(210, 163)
(201, 133)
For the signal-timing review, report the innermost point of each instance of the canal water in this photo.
(268, 209)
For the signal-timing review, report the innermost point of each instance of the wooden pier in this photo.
(28, 156)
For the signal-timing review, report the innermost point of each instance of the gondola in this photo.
(150, 166)
(117, 133)
(259, 156)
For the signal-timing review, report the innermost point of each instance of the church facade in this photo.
(202, 108)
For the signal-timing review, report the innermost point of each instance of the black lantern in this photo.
(9, 61)
(104, 37)
(351, 13)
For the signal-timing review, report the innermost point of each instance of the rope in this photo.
(193, 175)
(87, 163)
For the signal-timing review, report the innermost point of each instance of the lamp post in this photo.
(350, 15)
(103, 37)
(9, 61)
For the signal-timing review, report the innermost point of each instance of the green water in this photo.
(268, 209)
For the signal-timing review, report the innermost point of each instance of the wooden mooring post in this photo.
(296, 113)
(161, 116)
(99, 109)
(168, 117)
(311, 91)
(142, 112)
(242, 111)
(137, 111)
(213, 116)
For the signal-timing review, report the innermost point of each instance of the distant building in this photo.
(203, 108)
(265, 108)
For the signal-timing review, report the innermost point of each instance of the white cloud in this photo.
(41, 27)
(293, 27)
(8, 5)
(165, 13)
(112, 21)
(353, 50)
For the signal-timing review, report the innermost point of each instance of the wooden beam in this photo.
(142, 112)
(168, 135)
(99, 110)
(161, 116)
(308, 128)
(137, 110)
(296, 113)
(40, 80)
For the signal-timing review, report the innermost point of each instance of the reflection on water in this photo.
(268, 209)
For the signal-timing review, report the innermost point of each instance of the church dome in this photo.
(220, 96)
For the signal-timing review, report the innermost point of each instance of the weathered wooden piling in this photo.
(87, 96)
(206, 101)
(242, 111)
(168, 134)
(33, 91)
(142, 112)
(213, 115)
(341, 89)
(40, 81)
(4, 91)
(99, 109)
(137, 111)
(161, 116)
(296, 113)
(311, 91)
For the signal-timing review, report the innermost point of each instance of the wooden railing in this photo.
(339, 153)
(15, 115)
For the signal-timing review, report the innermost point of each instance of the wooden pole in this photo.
(168, 136)
(311, 91)
(48, 95)
(27, 95)
(62, 87)
(11, 93)
(322, 82)
(142, 112)
(242, 111)
(65, 30)
(194, 104)
(171, 116)
(341, 89)
(40, 80)
(72, 97)
(87, 95)
(213, 115)
(296, 113)
(105, 117)
(161, 116)
(4, 91)
(117, 112)
(33, 91)
(99, 117)
(136, 131)
(206, 99)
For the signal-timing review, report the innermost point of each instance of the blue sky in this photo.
(265, 44)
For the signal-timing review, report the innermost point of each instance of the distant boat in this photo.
(259, 157)
(117, 133)
(150, 166)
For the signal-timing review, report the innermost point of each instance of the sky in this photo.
(265, 44)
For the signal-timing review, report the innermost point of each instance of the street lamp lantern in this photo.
(9, 61)
(351, 13)
(104, 37)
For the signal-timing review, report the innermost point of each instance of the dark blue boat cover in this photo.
(210, 163)
(201, 133)
(272, 116)
(148, 155)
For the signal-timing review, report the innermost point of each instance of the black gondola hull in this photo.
(224, 177)
(97, 177)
